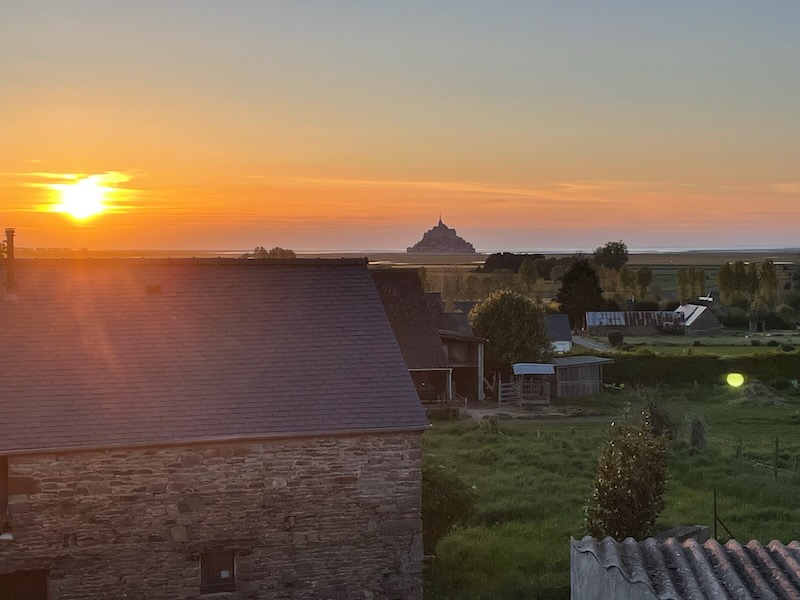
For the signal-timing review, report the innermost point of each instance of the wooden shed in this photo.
(577, 376)
(531, 385)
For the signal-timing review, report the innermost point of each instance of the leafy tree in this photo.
(514, 326)
(528, 273)
(629, 485)
(691, 282)
(627, 279)
(644, 277)
(580, 292)
(768, 282)
(725, 282)
(556, 273)
(758, 310)
(613, 255)
(751, 285)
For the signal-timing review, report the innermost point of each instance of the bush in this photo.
(698, 435)
(616, 337)
(697, 343)
(447, 501)
(755, 342)
(773, 343)
(629, 485)
(787, 348)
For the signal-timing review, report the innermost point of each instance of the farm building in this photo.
(177, 428)
(633, 322)
(404, 301)
(577, 376)
(656, 569)
(698, 320)
(465, 358)
(558, 332)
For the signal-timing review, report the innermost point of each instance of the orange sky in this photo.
(316, 131)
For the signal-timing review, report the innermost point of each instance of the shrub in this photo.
(698, 435)
(447, 501)
(616, 337)
(773, 343)
(659, 421)
(697, 343)
(755, 342)
(787, 348)
(629, 486)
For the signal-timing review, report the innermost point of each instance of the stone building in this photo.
(178, 429)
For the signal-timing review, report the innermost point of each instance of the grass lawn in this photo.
(532, 481)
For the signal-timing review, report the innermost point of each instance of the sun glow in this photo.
(83, 199)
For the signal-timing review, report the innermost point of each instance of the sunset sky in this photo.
(352, 125)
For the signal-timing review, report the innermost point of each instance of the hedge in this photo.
(635, 369)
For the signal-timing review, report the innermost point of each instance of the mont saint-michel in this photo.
(442, 239)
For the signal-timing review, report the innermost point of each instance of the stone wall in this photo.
(333, 517)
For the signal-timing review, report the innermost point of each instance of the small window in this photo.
(217, 572)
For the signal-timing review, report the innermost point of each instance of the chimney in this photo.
(11, 283)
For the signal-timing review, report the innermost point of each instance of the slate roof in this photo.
(104, 352)
(410, 318)
(557, 327)
(693, 571)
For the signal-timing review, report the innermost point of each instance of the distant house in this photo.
(404, 301)
(558, 332)
(177, 428)
(671, 570)
(698, 319)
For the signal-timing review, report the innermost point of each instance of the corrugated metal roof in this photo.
(692, 571)
(532, 369)
(100, 352)
(579, 361)
(634, 318)
(691, 312)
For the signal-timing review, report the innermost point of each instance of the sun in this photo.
(83, 199)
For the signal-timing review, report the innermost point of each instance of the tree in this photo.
(629, 485)
(725, 281)
(768, 282)
(276, 252)
(644, 277)
(514, 326)
(528, 273)
(580, 292)
(613, 255)
(627, 279)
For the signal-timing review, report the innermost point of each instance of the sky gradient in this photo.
(352, 125)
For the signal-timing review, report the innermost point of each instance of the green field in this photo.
(532, 481)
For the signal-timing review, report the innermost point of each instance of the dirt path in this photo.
(539, 416)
